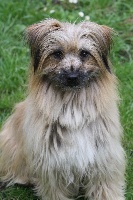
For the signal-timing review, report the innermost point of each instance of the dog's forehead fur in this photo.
(69, 37)
(54, 32)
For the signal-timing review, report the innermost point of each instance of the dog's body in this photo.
(65, 137)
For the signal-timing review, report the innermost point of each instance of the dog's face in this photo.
(69, 56)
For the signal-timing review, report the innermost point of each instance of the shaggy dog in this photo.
(65, 137)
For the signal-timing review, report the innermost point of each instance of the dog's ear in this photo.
(34, 35)
(99, 32)
(108, 37)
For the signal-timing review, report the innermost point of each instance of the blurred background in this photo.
(16, 15)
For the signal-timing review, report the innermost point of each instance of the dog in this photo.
(65, 137)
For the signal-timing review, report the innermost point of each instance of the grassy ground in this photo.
(16, 15)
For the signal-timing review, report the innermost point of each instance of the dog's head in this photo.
(69, 56)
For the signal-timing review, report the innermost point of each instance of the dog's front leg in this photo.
(13, 162)
(50, 191)
(105, 190)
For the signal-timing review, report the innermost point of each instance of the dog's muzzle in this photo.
(71, 79)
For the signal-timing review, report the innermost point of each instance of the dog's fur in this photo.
(65, 137)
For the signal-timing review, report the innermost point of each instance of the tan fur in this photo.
(67, 142)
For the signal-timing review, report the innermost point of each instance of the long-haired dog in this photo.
(65, 137)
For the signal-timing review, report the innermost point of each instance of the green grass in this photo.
(16, 15)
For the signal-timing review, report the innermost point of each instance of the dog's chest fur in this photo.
(69, 140)
(69, 153)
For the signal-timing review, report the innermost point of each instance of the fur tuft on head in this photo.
(103, 36)
(35, 34)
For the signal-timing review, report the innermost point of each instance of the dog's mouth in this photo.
(71, 80)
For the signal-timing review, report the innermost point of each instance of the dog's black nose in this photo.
(72, 76)
(72, 79)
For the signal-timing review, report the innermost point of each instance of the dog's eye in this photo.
(84, 54)
(57, 54)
